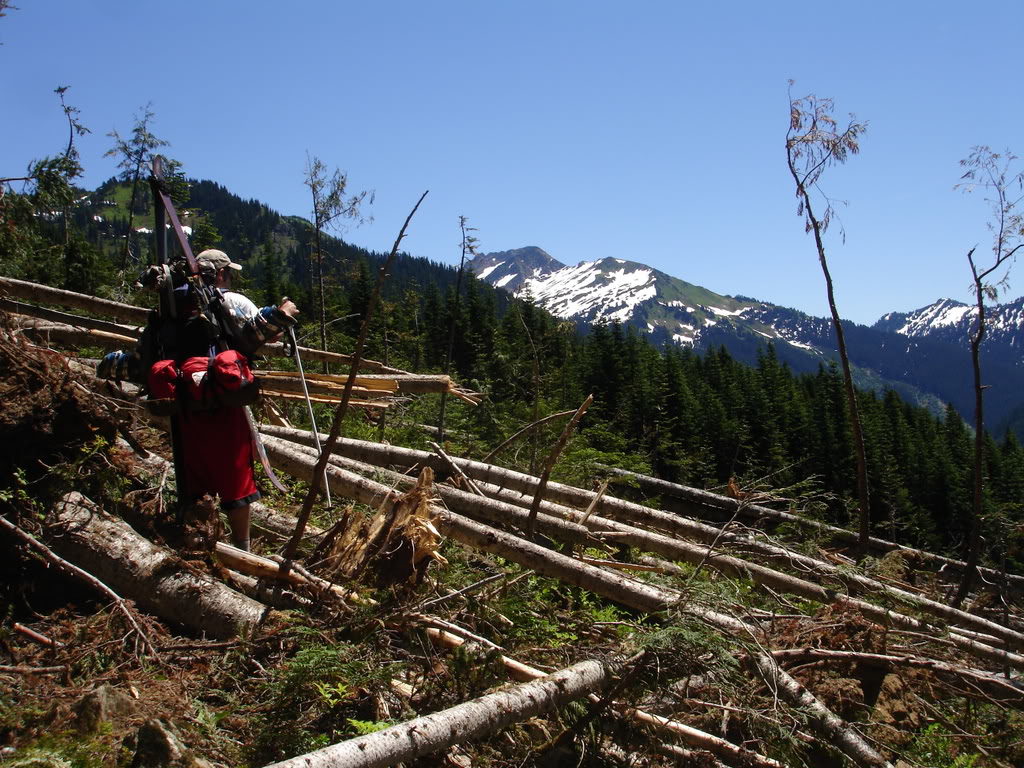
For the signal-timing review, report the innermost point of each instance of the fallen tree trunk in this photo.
(692, 736)
(634, 594)
(1005, 690)
(23, 289)
(45, 332)
(695, 555)
(473, 719)
(265, 568)
(152, 576)
(610, 506)
(42, 313)
(698, 502)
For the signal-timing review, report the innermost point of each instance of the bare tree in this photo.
(815, 142)
(993, 173)
(134, 153)
(330, 205)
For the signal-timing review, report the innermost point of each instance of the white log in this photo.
(464, 722)
(152, 576)
(23, 289)
(694, 554)
(697, 501)
(692, 736)
(634, 594)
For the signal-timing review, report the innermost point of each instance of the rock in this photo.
(158, 746)
(102, 705)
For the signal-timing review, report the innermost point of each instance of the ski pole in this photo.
(309, 405)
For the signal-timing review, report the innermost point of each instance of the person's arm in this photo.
(260, 326)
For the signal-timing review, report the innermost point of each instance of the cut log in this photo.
(464, 722)
(634, 594)
(695, 555)
(692, 736)
(23, 289)
(699, 503)
(152, 576)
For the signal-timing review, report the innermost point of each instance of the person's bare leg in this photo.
(238, 519)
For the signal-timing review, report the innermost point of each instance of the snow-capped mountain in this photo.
(508, 269)
(922, 354)
(952, 321)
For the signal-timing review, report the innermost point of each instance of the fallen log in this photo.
(152, 576)
(77, 321)
(46, 332)
(637, 595)
(610, 506)
(23, 289)
(464, 722)
(673, 548)
(692, 736)
(698, 502)
(1005, 690)
(265, 568)
(79, 573)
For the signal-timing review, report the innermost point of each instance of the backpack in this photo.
(200, 383)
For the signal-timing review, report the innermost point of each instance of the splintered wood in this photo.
(396, 545)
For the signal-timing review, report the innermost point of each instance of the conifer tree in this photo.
(134, 154)
(331, 205)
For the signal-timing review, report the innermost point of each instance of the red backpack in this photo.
(205, 382)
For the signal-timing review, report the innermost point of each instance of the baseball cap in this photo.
(216, 260)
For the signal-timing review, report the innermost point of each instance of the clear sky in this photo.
(651, 131)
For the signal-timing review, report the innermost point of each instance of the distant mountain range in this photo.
(923, 354)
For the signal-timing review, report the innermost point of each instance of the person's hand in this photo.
(288, 308)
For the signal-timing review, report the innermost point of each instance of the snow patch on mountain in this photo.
(487, 270)
(587, 291)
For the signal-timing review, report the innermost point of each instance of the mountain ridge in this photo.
(921, 354)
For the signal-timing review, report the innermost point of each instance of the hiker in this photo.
(209, 389)
(216, 443)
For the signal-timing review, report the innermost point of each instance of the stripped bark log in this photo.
(1004, 690)
(698, 502)
(668, 547)
(692, 736)
(150, 575)
(23, 289)
(471, 720)
(634, 594)
(265, 568)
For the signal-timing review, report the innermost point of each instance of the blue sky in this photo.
(653, 131)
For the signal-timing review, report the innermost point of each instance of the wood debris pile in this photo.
(693, 641)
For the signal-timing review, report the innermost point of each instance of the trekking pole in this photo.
(309, 405)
